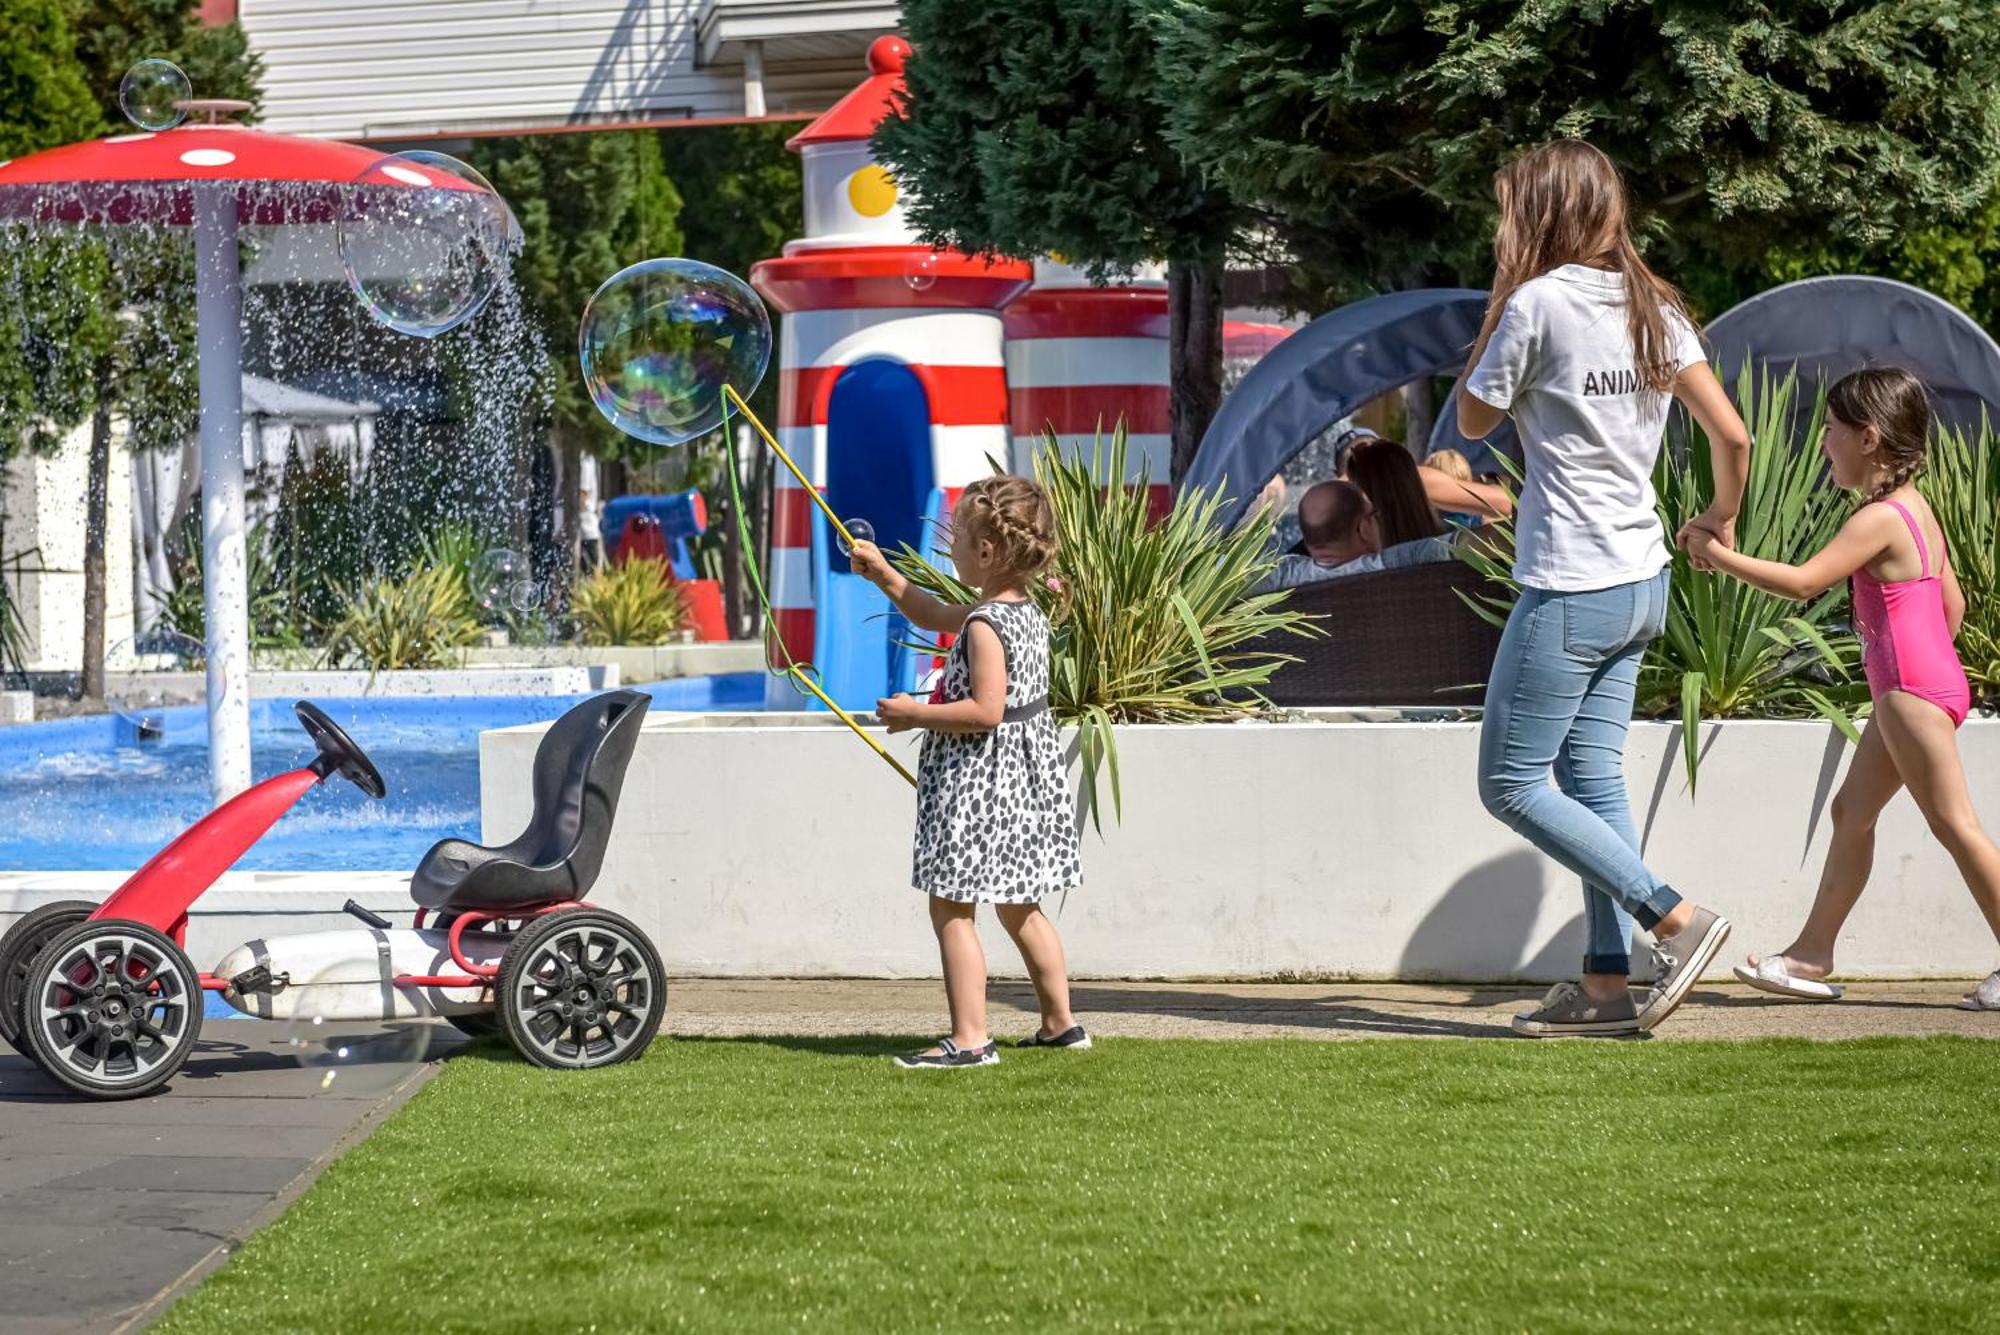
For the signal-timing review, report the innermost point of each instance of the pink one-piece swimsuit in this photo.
(1906, 640)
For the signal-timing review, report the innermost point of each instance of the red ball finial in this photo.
(887, 54)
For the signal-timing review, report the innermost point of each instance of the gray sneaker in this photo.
(1682, 958)
(1567, 1013)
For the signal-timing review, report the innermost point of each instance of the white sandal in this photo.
(1771, 975)
(1985, 997)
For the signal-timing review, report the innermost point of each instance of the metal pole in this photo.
(753, 78)
(225, 584)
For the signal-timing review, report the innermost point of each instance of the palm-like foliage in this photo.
(1731, 651)
(633, 602)
(424, 621)
(1962, 483)
(1153, 622)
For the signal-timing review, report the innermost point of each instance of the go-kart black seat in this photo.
(579, 769)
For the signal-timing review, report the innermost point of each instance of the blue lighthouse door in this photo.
(878, 468)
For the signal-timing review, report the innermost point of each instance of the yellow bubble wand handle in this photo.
(796, 672)
(799, 675)
(730, 395)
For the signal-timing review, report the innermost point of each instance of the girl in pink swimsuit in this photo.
(1907, 609)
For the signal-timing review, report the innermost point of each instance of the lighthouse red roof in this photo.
(856, 115)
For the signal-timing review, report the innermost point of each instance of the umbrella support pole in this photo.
(225, 581)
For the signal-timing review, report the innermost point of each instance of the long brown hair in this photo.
(1388, 476)
(1563, 203)
(1898, 406)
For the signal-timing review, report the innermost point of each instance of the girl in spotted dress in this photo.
(994, 819)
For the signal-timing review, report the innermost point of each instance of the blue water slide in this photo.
(913, 665)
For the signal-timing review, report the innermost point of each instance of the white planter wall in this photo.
(779, 845)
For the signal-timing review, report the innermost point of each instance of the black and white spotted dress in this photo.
(994, 819)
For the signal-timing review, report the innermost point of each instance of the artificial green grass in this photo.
(1160, 1185)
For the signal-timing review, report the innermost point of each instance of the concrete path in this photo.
(1293, 1010)
(108, 1210)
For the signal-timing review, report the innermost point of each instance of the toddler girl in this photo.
(994, 820)
(1907, 608)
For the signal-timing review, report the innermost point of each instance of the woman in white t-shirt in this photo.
(1585, 347)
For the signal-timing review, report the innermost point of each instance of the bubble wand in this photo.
(793, 669)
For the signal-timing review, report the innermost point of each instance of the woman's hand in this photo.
(1717, 528)
(867, 561)
(899, 713)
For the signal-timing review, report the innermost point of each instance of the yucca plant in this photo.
(1962, 483)
(1731, 651)
(1152, 622)
(13, 634)
(422, 621)
(632, 602)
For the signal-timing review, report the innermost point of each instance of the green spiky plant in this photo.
(631, 602)
(1731, 651)
(1962, 484)
(423, 621)
(1152, 622)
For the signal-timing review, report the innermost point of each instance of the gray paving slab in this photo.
(107, 1208)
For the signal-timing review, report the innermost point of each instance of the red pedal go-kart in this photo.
(103, 998)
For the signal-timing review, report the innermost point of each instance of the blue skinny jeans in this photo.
(1560, 698)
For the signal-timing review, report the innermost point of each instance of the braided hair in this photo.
(1014, 514)
(1897, 405)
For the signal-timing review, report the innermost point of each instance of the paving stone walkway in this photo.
(107, 1209)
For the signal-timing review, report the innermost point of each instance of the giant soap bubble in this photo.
(660, 340)
(423, 241)
(153, 94)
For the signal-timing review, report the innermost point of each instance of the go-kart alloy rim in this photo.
(113, 1008)
(585, 994)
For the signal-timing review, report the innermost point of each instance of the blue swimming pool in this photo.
(84, 794)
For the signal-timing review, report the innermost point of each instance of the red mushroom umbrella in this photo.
(213, 178)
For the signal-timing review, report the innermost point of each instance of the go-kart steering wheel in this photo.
(337, 752)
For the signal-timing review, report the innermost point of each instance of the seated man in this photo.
(1341, 537)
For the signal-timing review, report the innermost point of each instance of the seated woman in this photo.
(1411, 499)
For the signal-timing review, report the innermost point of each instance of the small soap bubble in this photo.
(336, 1027)
(661, 338)
(152, 94)
(858, 529)
(424, 241)
(921, 272)
(524, 596)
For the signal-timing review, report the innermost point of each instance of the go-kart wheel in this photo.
(581, 988)
(113, 1008)
(337, 752)
(24, 940)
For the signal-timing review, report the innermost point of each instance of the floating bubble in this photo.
(151, 94)
(499, 571)
(149, 674)
(424, 241)
(337, 1030)
(524, 596)
(858, 529)
(921, 272)
(660, 339)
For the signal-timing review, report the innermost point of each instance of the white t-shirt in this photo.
(1561, 362)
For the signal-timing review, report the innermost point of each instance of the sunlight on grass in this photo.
(1159, 1185)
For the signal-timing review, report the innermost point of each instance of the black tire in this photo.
(18, 948)
(581, 988)
(100, 1026)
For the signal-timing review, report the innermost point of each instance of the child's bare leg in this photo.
(964, 970)
(1925, 747)
(1871, 781)
(1042, 951)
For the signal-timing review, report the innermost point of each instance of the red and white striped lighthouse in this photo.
(892, 382)
(1081, 357)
